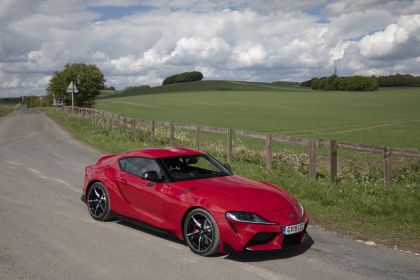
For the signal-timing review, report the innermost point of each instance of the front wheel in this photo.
(98, 202)
(201, 232)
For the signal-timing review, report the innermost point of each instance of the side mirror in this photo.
(192, 160)
(228, 167)
(151, 176)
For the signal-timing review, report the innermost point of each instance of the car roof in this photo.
(161, 152)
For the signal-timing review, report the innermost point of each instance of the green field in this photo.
(7, 106)
(387, 117)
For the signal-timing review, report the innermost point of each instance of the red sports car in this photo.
(190, 194)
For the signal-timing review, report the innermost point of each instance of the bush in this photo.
(183, 78)
(351, 83)
(399, 80)
(130, 88)
(286, 83)
(306, 83)
(35, 101)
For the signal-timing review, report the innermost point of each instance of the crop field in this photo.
(7, 106)
(387, 117)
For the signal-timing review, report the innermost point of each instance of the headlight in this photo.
(302, 210)
(246, 217)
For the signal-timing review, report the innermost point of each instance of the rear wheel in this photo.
(201, 232)
(98, 202)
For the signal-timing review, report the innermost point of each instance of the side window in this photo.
(137, 166)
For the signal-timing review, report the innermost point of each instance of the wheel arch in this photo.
(185, 216)
(90, 184)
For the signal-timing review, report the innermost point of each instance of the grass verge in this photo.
(358, 209)
(7, 107)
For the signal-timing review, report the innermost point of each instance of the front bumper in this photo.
(238, 237)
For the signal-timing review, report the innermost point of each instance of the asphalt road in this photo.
(47, 233)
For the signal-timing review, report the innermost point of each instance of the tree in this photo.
(399, 80)
(183, 78)
(351, 83)
(88, 79)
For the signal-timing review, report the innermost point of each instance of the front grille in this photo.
(292, 240)
(262, 238)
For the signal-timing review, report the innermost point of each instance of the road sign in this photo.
(72, 88)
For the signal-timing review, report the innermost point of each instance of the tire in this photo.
(98, 202)
(201, 233)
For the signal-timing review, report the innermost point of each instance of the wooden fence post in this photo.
(171, 134)
(109, 120)
(333, 161)
(229, 145)
(94, 116)
(312, 159)
(114, 121)
(125, 122)
(152, 131)
(387, 167)
(100, 117)
(269, 152)
(197, 137)
(133, 130)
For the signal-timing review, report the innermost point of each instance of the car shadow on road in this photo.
(260, 256)
(249, 256)
(149, 230)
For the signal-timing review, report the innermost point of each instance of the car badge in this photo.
(291, 215)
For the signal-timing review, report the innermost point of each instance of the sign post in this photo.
(72, 89)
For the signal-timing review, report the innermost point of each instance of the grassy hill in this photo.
(388, 117)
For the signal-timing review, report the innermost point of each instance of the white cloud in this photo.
(250, 55)
(241, 40)
(196, 50)
(399, 40)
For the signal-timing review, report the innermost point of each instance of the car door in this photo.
(147, 198)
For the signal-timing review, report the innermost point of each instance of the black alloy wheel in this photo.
(201, 232)
(98, 202)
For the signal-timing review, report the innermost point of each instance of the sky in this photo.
(142, 42)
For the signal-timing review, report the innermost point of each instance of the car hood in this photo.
(235, 193)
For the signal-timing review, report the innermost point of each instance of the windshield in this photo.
(193, 167)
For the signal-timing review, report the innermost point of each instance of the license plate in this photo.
(293, 229)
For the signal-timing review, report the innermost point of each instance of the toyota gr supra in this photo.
(190, 194)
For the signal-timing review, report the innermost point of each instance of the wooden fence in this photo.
(332, 145)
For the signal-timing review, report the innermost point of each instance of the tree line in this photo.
(399, 80)
(351, 83)
(361, 83)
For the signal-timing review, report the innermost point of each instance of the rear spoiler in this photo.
(104, 158)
